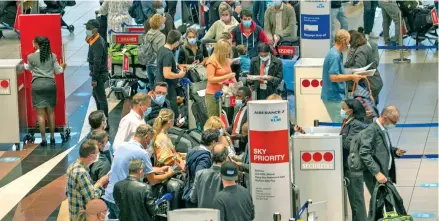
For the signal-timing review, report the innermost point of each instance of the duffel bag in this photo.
(116, 52)
(386, 195)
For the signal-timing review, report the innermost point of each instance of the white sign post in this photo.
(315, 28)
(269, 159)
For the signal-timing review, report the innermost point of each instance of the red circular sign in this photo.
(4, 84)
(317, 156)
(315, 83)
(306, 157)
(305, 83)
(321, 83)
(328, 157)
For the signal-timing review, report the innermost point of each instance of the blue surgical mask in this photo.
(147, 112)
(239, 103)
(192, 41)
(247, 24)
(265, 58)
(160, 99)
(162, 27)
(221, 132)
(89, 33)
(343, 114)
(160, 11)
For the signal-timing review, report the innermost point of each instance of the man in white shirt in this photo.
(127, 127)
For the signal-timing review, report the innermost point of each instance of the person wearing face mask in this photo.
(193, 51)
(95, 210)
(216, 123)
(333, 88)
(159, 102)
(135, 198)
(136, 148)
(377, 152)
(267, 66)
(43, 63)
(198, 159)
(80, 187)
(280, 23)
(128, 124)
(160, 10)
(248, 33)
(225, 24)
(98, 122)
(98, 64)
(236, 130)
(352, 112)
(167, 68)
(102, 166)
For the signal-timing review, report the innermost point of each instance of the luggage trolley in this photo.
(10, 12)
(122, 54)
(133, 28)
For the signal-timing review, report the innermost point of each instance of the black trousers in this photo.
(356, 195)
(100, 96)
(171, 8)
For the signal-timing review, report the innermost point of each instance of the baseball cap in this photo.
(229, 171)
(92, 23)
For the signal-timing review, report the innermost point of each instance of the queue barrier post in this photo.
(401, 58)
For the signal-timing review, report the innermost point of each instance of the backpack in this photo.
(147, 54)
(355, 163)
(184, 140)
(136, 12)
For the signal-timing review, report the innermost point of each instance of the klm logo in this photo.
(275, 119)
(320, 6)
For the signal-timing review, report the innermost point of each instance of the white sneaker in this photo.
(373, 35)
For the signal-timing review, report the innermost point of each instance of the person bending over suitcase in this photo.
(43, 63)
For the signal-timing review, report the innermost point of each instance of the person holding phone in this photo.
(193, 51)
(43, 64)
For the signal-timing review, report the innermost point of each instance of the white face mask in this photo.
(389, 126)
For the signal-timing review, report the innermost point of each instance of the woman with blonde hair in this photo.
(215, 122)
(218, 73)
(164, 151)
(225, 24)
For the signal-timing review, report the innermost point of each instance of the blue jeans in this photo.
(338, 13)
(369, 15)
(150, 71)
(113, 210)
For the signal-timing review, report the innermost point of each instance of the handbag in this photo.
(387, 195)
(364, 95)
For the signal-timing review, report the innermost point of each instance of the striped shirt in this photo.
(80, 188)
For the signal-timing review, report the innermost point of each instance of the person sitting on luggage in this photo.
(249, 33)
(169, 22)
(164, 151)
(218, 73)
(207, 182)
(192, 51)
(267, 66)
(244, 59)
(280, 23)
(353, 113)
(216, 123)
(240, 140)
(159, 102)
(128, 124)
(199, 159)
(102, 166)
(225, 24)
(135, 198)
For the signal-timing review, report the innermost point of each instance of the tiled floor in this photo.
(33, 187)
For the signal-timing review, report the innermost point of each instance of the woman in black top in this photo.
(353, 114)
(193, 51)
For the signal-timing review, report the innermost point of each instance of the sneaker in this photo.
(373, 35)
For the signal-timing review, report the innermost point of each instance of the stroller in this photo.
(57, 7)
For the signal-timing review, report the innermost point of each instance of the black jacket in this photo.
(374, 152)
(274, 70)
(155, 111)
(134, 199)
(98, 59)
(350, 129)
(244, 139)
(196, 160)
(336, 4)
(101, 167)
(186, 55)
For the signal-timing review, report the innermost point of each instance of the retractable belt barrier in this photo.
(416, 125)
(407, 47)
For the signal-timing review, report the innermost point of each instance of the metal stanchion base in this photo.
(401, 60)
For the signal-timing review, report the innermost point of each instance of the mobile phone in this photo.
(175, 167)
(181, 121)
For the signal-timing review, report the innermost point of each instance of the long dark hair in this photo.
(44, 45)
(358, 111)
(357, 39)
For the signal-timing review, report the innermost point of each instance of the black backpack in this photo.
(136, 12)
(184, 140)
(355, 163)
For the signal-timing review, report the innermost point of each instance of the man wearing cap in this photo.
(98, 64)
(234, 202)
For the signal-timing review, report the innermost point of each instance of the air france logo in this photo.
(275, 119)
(270, 112)
(320, 6)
